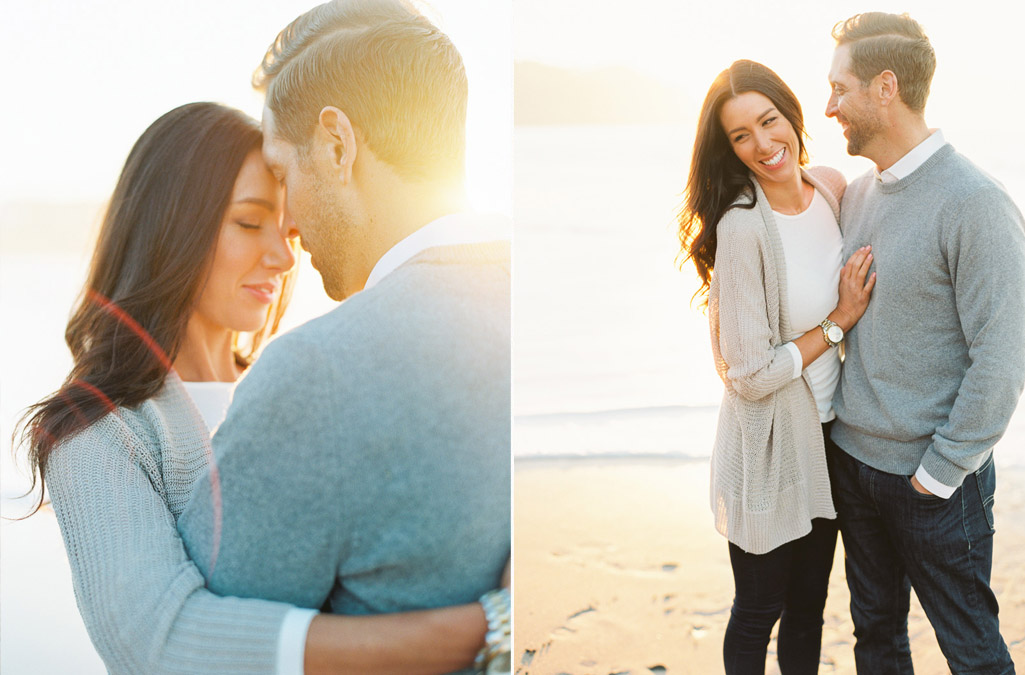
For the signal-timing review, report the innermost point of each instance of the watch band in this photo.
(496, 655)
(827, 327)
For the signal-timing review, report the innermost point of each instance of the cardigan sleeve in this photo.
(751, 363)
(142, 600)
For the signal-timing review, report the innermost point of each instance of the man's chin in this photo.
(334, 288)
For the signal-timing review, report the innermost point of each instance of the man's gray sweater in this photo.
(364, 461)
(935, 367)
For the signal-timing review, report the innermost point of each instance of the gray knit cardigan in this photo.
(117, 488)
(769, 476)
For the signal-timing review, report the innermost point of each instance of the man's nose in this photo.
(831, 106)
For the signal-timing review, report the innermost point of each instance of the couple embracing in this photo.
(353, 505)
(865, 396)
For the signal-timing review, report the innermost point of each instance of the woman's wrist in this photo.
(842, 319)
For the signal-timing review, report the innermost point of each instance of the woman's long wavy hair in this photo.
(152, 258)
(717, 177)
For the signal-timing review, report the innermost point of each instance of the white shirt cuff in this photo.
(292, 640)
(798, 359)
(933, 485)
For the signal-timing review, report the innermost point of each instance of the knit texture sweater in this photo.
(936, 365)
(117, 488)
(365, 459)
(769, 475)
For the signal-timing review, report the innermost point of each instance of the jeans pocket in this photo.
(985, 478)
(915, 493)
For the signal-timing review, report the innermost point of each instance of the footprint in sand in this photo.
(529, 654)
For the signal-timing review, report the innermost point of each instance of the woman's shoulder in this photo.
(138, 434)
(120, 438)
(741, 223)
(828, 178)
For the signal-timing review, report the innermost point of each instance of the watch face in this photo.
(835, 333)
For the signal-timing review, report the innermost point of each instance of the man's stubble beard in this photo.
(862, 133)
(336, 235)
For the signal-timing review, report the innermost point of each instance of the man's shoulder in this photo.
(961, 177)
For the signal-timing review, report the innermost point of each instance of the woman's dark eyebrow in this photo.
(759, 119)
(255, 200)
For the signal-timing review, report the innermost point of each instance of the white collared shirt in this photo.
(450, 230)
(902, 168)
(915, 158)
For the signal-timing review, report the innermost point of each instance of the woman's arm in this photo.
(754, 366)
(855, 292)
(738, 305)
(428, 642)
(142, 600)
(418, 643)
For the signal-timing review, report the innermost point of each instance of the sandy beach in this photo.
(619, 570)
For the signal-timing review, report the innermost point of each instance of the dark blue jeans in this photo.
(788, 584)
(896, 538)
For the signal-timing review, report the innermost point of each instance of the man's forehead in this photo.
(271, 142)
(267, 122)
(841, 63)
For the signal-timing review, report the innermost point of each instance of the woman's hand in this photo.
(855, 290)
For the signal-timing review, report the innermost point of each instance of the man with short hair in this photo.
(365, 460)
(935, 367)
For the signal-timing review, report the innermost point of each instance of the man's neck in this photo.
(900, 139)
(407, 209)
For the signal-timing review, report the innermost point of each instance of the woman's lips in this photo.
(776, 160)
(262, 292)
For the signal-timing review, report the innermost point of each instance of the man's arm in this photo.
(987, 269)
(262, 524)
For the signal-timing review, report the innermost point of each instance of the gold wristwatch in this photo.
(831, 333)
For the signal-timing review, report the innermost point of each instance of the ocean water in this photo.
(611, 357)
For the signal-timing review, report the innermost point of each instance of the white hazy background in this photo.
(83, 81)
(611, 358)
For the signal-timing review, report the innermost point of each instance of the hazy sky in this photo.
(977, 90)
(84, 80)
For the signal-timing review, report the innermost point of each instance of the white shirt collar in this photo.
(449, 230)
(915, 158)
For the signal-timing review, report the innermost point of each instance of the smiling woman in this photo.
(249, 270)
(764, 236)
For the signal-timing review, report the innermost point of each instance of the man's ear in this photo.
(338, 141)
(886, 87)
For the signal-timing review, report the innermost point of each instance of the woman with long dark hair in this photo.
(190, 275)
(764, 235)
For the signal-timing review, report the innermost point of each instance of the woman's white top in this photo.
(212, 400)
(813, 253)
